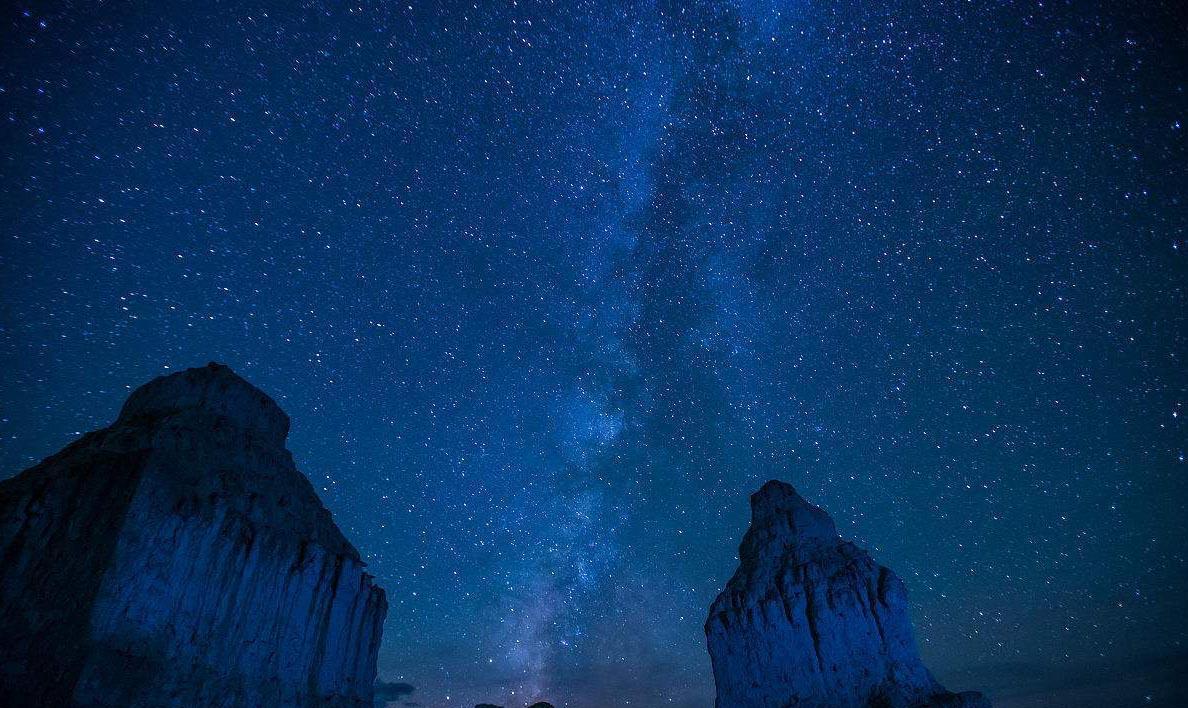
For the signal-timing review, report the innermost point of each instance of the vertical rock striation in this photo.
(810, 620)
(178, 558)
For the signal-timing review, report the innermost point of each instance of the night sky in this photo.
(549, 288)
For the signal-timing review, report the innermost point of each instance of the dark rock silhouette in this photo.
(178, 558)
(810, 620)
(392, 692)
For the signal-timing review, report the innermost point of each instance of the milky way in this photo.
(549, 288)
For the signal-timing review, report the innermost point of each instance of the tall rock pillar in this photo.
(810, 620)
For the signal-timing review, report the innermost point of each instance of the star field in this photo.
(548, 288)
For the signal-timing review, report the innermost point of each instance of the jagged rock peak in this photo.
(810, 620)
(779, 504)
(214, 390)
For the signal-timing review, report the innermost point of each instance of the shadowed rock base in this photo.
(178, 558)
(811, 621)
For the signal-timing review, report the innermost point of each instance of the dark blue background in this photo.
(549, 288)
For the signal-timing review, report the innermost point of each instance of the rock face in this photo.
(178, 558)
(810, 620)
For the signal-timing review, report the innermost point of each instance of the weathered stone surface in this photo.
(178, 558)
(810, 620)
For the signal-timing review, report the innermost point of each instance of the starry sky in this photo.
(548, 288)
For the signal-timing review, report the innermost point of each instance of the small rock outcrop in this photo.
(179, 558)
(810, 620)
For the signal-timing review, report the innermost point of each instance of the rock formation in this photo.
(178, 558)
(810, 620)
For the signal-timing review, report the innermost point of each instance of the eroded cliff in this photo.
(179, 558)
